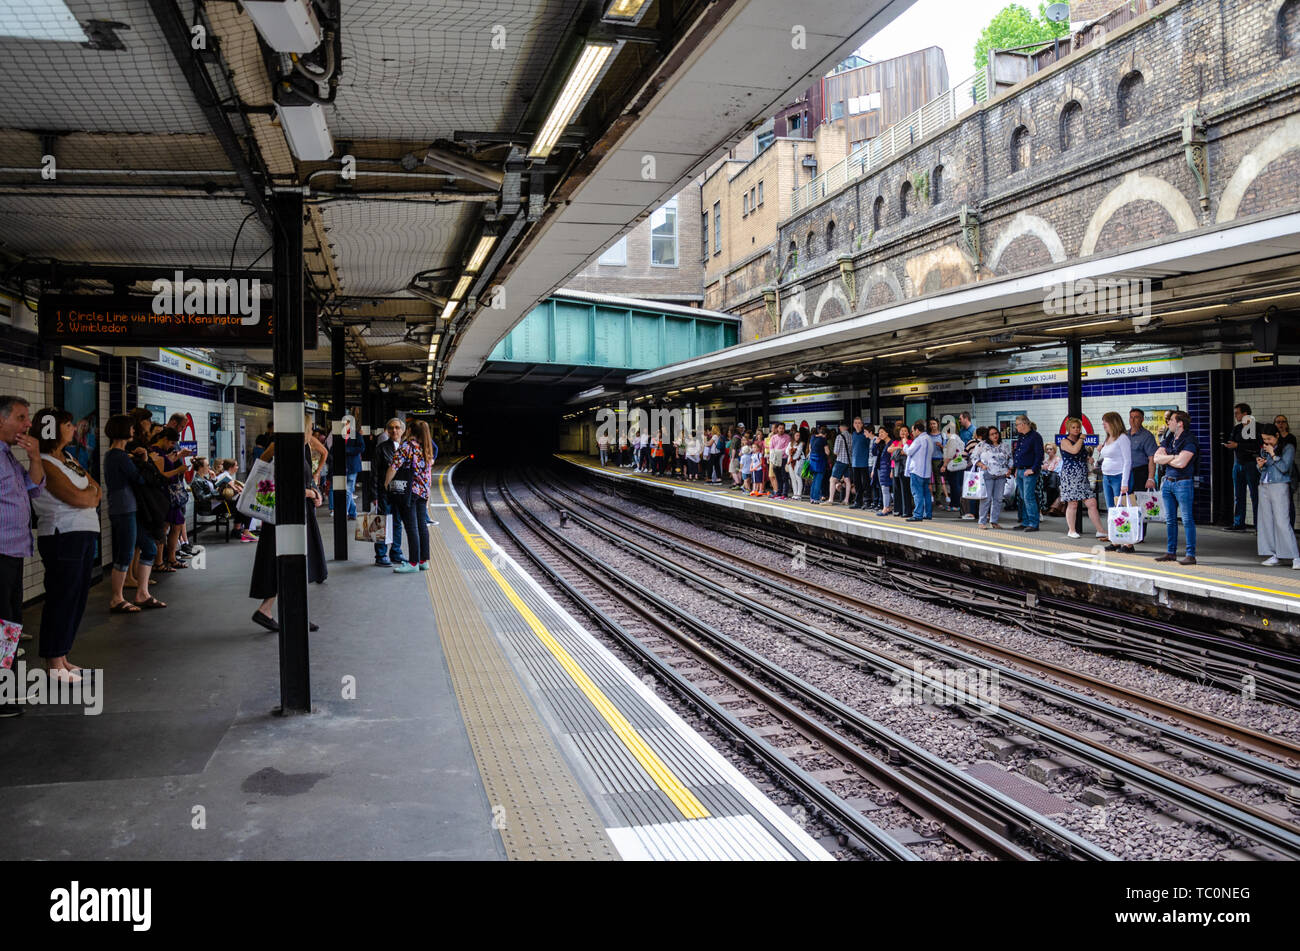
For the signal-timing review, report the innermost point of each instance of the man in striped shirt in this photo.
(18, 486)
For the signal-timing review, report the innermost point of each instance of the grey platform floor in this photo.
(187, 722)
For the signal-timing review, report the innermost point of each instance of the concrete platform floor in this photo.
(187, 722)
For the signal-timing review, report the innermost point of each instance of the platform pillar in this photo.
(338, 445)
(366, 426)
(290, 528)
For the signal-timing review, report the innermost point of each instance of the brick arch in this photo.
(938, 269)
(1138, 187)
(832, 295)
(794, 311)
(1026, 224)
(1282, 140)
(879, 277)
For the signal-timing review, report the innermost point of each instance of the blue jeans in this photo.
(1027, 498)
(352, 499)
(818, 483)
(1243, 478)
(1113, 483)
(1176, 495)
(382, 550)
(922, 501)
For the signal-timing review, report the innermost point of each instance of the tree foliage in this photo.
(1014, 26)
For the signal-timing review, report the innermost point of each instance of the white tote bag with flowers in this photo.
(1124, 525)
(973, 485)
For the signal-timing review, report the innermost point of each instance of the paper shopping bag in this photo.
(373, 527)
(258, 498)
(973, 485)
(1152, 507)
(1124, 522)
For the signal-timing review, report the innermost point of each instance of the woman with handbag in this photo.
(1116, 458)
(415, 456)
(66, 533)
(264, 584)
(992, 457)
(954, 467)
(796, 453)
(1075, 485)
(171, 464)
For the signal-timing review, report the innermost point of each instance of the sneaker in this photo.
(1189, 560)
(405, 568)
(424, 566)
(1018, 528)
(1271, 561)
(1073, 535)
(383, 562)
(1295, 565)
(968, 517)
(246, 537)
(1032, 528)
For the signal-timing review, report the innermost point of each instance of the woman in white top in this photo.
(1116, 455)
(67, 529)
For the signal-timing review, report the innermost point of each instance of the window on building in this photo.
(1019, 148)
(663, 236)
(704, 235)
(615, 254)
(905, 200)
(794, 123)
(1132, 97)
(1288, 29)
(878, 213)
(760, 191)
(717, 227)
(1071, 125)
(763, 139)
(837, 109)
(936, 185)
(830, 236)
(752, 194)
(744, 204)
(808, 246)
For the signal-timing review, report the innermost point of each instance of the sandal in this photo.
(164, 570)
(123, 607)
(152, 604)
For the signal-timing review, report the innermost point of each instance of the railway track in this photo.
(967, 810)
(1214, 805)
(1200, 656)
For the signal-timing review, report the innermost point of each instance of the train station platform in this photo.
(1228, 583)
(458, 714)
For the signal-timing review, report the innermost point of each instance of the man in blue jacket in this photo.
(1027, 460)
(861, 459)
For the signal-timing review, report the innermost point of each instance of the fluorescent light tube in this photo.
(288, 26)
(450, 309)
(462, 286)
(576, 88)
(480, 253)
(625, 9)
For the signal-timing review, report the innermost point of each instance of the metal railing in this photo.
(936, 114)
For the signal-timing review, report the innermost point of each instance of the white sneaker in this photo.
(1271, 562)
(1074, 534)
(968, 517)
(1295, 565)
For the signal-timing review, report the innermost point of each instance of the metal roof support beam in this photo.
(177, 32)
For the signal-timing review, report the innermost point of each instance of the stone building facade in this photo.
(1100, 152)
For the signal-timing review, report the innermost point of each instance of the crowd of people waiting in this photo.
(906, 470)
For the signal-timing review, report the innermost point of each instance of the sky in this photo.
(951, 25)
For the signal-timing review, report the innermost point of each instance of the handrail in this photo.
(936, 114)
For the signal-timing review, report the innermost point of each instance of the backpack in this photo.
(152, 500)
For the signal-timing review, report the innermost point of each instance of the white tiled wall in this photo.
(1268, 403)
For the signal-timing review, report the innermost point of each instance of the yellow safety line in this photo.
(673, 788)
(961, 538)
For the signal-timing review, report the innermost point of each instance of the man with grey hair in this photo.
(18, 486)
(385, 447)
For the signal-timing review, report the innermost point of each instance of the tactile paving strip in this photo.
(538, 806)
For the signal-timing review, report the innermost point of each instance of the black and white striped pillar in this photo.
(338, 445)
(290, 465)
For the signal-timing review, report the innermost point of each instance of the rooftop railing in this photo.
(936, 114)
